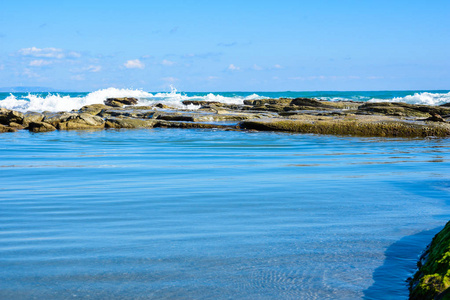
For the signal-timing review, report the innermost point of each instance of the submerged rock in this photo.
(432, 280)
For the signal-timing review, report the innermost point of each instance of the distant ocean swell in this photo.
(69, 101)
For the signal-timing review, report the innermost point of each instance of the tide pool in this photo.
(202, 214)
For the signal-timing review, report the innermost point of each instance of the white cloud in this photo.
(277, 66)
(48, 53)
(134, 64)
(73, 54)
(170, 79)
(233, 68)
(39, 63)
(212, 78)
(257, 68)
(77, 77)
(30, 74)
(94, 69)
(166, 62)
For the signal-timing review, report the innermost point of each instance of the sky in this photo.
(226, 45)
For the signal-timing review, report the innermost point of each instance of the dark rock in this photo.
(93, 109)
(40, 127)
(189, 125)
(129, 123)
(435, 118)
(163, 106)
(16, 125)
(201, 103)
(119, 102)
(7, 116)
(176, 117)
(4, 128)
(56, 118)
(261, 102)
(32, 117)
(402, 109)
(79, 121)
(350, 125)
(308, 102)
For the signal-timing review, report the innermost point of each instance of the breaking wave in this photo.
(55, 102)
(425, 98)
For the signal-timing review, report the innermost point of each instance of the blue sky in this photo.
(226, 46)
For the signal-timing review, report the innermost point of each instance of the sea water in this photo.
(65, 101)
(206, 214)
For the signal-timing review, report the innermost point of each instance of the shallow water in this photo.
(199, 214)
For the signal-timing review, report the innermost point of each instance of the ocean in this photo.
(210, 214)
(63, 101)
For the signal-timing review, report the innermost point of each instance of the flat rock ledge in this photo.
(432, 279)
(299, 115)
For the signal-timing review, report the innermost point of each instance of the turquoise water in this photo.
(198, 214)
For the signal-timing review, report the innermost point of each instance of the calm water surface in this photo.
(192, 214)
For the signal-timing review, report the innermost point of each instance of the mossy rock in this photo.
(403, 109)
(4, 128)
(40, 127)
(349, 125)
(7, 116)
(432, 280)
(128, 123)
(93, 109)
(189, 125)
(262, 102)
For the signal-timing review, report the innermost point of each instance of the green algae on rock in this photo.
(351, 125)
(432, 280)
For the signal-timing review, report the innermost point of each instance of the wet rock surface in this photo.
(432, 279)
(299, 115)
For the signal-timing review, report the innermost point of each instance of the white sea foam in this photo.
(56, 102)
(425, 98)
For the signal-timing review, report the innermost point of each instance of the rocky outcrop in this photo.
(129, 123)
(350, 125)
(69, 121)
(40, 127)
(93, 109)
(201, 103)
(432, 279)
(402, 109)
(10, 116)
(300, 115)
(32, 117)
(4, 129)
(120, 102)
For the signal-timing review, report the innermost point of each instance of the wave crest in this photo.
(55, 102)
(425, 98)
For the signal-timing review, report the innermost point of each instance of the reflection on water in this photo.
(196, 214)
